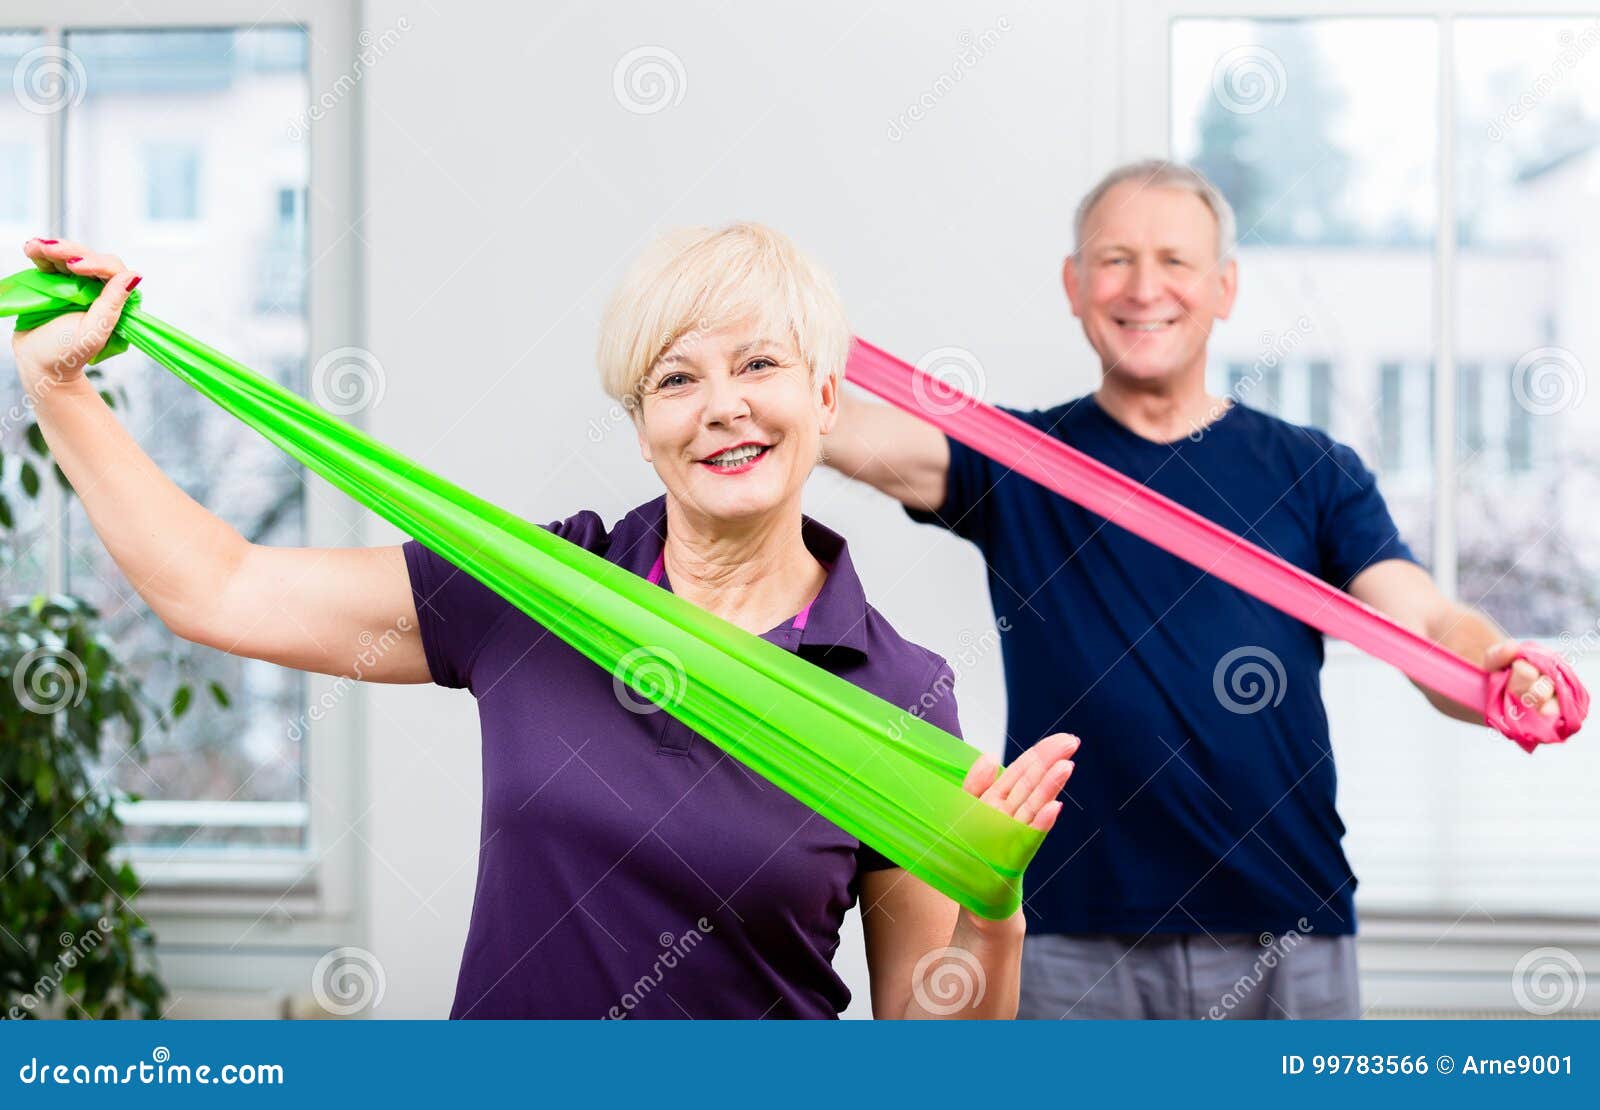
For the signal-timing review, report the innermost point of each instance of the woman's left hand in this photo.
(1027, 791)
(1028, 788)
(921, 935)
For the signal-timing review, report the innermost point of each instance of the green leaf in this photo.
(219, 695)
(6, 520)
(111, 402)
(180, 701)
(30, 479)
(36, 440)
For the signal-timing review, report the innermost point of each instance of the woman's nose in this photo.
(725, 401)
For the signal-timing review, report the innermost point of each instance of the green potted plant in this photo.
(71, 943)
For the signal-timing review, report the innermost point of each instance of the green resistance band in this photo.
(884, 775)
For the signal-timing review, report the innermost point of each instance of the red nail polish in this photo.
(49, 242)
(70, 261)
(134, 284)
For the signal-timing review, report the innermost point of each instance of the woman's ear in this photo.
(828, 402)
(636, 410)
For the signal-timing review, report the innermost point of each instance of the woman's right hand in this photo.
(58, 352)
(315, 609)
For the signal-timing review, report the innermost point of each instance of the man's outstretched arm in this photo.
(1405, 592)
(890, 450)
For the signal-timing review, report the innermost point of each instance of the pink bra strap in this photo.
(660, 567)
(800, 617)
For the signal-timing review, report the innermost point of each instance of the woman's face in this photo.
(733, 422)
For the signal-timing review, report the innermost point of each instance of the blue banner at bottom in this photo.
(772, 1064)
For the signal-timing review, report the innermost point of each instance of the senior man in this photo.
(1205, 875)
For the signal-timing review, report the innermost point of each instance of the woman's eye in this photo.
(760, 364)
(672, 381)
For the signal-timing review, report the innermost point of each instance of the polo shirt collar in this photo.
(838, 615)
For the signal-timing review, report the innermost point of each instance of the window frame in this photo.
(298, 897)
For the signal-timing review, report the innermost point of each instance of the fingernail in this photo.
(70, 261)
(49, 242)
(134, 284)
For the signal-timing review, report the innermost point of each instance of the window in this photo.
(1295, 390)
(282, 280)
(155, 108)
(172, 182)
(1341, 229)
(1527, 177)
(1469, 410)
(16, 182)
(1391, 417)
(1519, 428)
(291, 211)
(1342, 199)
(1241, 384)
(1319, 393)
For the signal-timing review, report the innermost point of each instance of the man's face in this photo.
(1147, 284)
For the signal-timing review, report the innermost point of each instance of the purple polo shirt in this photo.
(627, 867)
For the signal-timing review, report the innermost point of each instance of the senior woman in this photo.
(627, 868)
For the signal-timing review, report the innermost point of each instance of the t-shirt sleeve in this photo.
(1354, 528)
(456, 613)
(967, 505)
(936, 704)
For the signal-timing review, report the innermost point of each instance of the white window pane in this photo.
(1528, 173)
(172, 181)
(178, 159)
(1332, 180)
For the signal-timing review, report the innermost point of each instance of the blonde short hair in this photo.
(703, 279)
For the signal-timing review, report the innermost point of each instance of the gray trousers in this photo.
(1179, 975)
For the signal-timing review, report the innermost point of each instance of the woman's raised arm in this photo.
(308, 608)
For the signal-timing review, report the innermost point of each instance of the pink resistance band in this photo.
(1189, 536)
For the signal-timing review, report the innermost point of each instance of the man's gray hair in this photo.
(1157, 173)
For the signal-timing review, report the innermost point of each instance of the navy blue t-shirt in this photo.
(1204, 792)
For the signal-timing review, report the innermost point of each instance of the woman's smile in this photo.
(738, 459)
